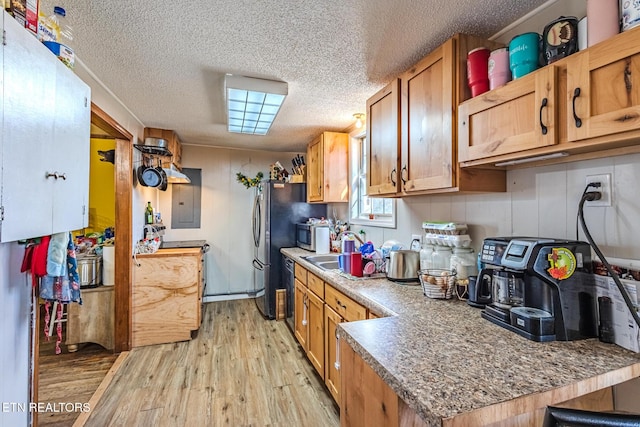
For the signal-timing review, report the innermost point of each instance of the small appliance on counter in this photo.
(541, 289)
(403, 266)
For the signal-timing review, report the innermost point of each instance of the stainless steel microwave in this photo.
(306, 236)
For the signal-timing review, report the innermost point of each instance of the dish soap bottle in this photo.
(148, 214)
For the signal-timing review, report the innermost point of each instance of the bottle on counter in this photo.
(463, 261)
(441, 257)
(148, 214)
(425, 256)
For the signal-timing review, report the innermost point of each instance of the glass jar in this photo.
(441, 257)
(425, 256)
(463, 260)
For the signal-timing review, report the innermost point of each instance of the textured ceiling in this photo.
(166, 60)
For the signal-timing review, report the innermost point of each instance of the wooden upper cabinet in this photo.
(383, 141)
(413, 132)
(428, 90)
(519, 117)
(315, 161)
(604, 88)
(328, 168)
(592, 110)
(173, 144)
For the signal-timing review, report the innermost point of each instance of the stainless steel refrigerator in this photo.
(277, 208)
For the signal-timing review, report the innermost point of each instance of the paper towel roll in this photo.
(322, 240)
(108, 265)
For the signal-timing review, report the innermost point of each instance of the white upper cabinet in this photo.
(46, 121)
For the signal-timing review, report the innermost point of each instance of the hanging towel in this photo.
(65, 287)
(57, 256)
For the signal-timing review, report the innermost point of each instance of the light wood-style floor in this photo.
(240, 370)
(68, 377)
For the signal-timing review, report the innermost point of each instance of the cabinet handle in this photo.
(52, 175)
(402, 171)
(576, 94)
(63, 176)
(341, 304)
(304, 310)
(337, 362)
(544, 104)
(391, 176)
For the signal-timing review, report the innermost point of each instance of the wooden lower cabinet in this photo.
(316, 320)
(309, 325)
(166, 297)
(93, 320)
(300, 316)
(332, 352)
(315, 349)
(366, 400)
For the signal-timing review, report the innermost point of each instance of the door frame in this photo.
(123, 175)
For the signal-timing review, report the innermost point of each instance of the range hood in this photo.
(174, 176)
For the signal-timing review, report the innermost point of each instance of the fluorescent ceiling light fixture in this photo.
(533, 159)
(252, 104)
(174, 176)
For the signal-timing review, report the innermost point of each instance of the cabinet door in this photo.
(428, 158)
(70, 153)
(315, 164)
(383, 141)
(163, 299)
(603, 88)
(512, 119)
(45, 130)
(301, 314)
(315, 350)
(332, 352)
(335, 172)
(27, 132)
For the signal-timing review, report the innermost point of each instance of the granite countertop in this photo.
(443, 359)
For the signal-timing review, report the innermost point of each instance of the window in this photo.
(372, 211)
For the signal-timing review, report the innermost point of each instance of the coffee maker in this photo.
(541, 289)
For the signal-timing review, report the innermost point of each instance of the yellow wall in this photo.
(102, 196)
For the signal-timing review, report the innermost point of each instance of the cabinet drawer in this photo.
(316, 284)
(300, 273)
(343, 305)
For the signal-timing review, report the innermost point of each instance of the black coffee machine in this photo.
(541, 289)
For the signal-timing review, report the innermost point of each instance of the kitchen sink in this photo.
(330, 262)
(325, 262)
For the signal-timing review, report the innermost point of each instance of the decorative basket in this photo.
(437, 283)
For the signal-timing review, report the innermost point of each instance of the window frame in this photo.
(357, 140)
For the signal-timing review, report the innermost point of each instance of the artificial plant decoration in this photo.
(248, 182)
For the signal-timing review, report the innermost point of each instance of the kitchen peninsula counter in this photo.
(454, 368)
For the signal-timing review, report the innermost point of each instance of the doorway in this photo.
(94, 361)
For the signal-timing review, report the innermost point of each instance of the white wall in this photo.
(226, 212)
(540, 202)
(14, 334)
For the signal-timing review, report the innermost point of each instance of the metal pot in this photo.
(403, 266)
(90, 270)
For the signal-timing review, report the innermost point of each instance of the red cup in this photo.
(478, 70)
(355, 261)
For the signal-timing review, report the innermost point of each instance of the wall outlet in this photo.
(605, 188)
(417, 237)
